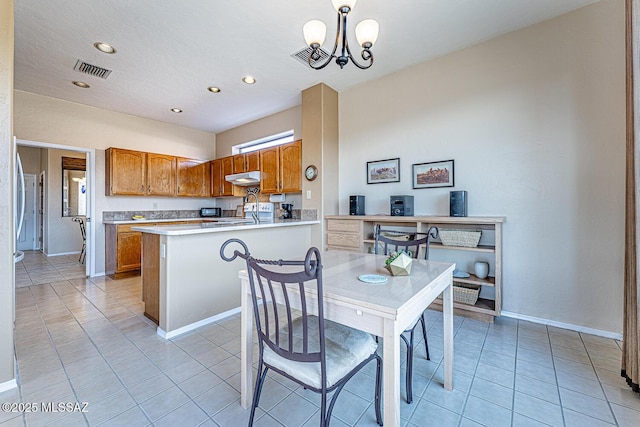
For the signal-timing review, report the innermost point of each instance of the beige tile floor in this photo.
(85, 340)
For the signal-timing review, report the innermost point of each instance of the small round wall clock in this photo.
(311, 172)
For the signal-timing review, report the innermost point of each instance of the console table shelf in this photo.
(355, 233)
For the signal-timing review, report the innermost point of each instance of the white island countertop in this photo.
(218, 226)
(170, 220)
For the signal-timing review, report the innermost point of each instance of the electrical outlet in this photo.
(308, 194)
(163, 250)
(229, 205)
(155, 206)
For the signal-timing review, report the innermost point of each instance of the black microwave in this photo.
(210, 212)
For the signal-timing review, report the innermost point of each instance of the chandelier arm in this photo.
(321, 66)
(369, 56)
(333, 53)
(345, 43)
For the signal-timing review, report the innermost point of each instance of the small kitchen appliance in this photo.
(286, 210)
(457, 203)
(356, 205)
(401, 205)
(210, 212)
(265, 211)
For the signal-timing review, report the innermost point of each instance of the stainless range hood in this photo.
(244, 179)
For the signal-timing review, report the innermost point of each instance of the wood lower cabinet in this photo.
(345, 235)
(193, 177)
(151, 276)
(281, 168)
(123, 248)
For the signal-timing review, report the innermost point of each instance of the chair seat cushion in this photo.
(345, 348)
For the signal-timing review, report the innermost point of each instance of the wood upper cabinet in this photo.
(247, 162)
(269, 170)
(252, 161)
(281, 168)
(161, 175)
(227, 169)
(219, 169)
(193, 177)
(216, 178)
(238, 163)
(125, 172)
(291, 167)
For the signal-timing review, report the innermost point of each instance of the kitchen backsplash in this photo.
(126, 215)
(304, 214)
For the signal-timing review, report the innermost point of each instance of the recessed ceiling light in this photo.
(176, 110)
(83, 85)
(213, 89)
(248, 80)
(104, 47)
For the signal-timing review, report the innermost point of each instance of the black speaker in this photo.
(401, 205)
(457, 203)
(356, 205)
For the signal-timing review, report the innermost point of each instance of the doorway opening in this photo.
(49, 211)
(27, 240)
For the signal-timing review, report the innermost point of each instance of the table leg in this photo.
(447, 310)
(246, 347)
(391, 373)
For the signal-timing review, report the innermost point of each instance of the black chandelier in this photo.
(366, 34)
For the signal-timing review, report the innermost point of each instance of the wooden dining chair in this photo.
(414, 243)
(314, 352)
(83, 233)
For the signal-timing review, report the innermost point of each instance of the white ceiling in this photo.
(169, 52)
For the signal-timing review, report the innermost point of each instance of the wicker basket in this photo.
(396, 236)
(463, 238)
(465, 293)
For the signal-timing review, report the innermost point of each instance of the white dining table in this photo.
(384, 310)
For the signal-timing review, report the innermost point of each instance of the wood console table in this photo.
(355, 233)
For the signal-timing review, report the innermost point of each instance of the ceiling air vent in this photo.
(303, 56)
(92, 70)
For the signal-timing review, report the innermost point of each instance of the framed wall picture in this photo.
(382, 171)
(433, 174)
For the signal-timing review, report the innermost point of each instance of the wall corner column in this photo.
(320, 148)
(7, 226)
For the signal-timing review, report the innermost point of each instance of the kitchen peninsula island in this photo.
(185, 283)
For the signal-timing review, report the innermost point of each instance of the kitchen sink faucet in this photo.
(254, 211)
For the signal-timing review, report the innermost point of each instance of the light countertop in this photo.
(219, 226)
(159, 220)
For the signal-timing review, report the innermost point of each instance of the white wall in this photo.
(43, 119)
(535, 121)
(266, 126)
(270, 125)
(7, 230)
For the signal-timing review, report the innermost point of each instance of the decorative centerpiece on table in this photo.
(399, 263)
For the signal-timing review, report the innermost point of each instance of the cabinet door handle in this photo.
(142, 188)
(148, 189)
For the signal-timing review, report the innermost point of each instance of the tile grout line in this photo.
(55, 347)
(555, 374)
(606, 398)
